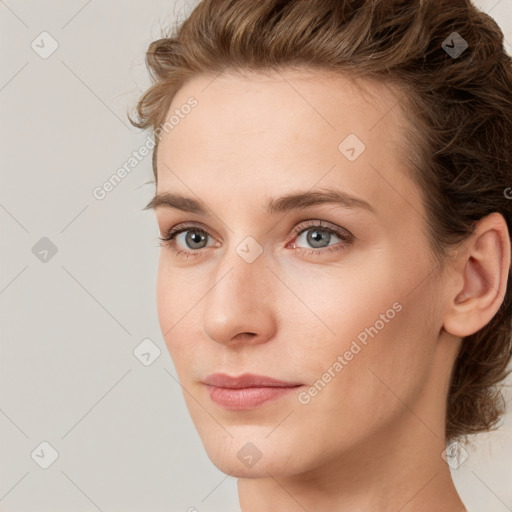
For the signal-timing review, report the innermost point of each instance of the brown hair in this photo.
(460, 149)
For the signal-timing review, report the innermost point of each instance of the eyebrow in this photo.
(293, 201)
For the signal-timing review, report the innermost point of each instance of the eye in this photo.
(318, 235)
(194, 238)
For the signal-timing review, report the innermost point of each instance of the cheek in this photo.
(165, 292)
(177, 288)
(378, 322)
(340, 302)
(358, 389)
(176, 295)
(180, 294)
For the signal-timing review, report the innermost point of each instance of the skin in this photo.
(372, 438)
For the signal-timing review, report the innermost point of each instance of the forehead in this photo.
(290, 104)
(260, 132)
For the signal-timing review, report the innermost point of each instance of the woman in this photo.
(331, 193)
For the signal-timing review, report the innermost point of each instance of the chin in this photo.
(254, 456)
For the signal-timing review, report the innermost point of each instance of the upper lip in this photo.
(247, 380)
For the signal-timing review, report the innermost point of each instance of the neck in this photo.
(402, 470)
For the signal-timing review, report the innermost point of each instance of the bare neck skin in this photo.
(405, 473)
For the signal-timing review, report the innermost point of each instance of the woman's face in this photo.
(336, 297)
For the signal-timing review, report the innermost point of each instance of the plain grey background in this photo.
(77, 284)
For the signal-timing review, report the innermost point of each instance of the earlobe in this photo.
(484, 269)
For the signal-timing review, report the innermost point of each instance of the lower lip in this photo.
(246, 398)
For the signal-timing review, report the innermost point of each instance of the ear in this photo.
(478, 277)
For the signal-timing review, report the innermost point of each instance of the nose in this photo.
(239, 309)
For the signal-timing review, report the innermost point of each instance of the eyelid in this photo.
(344, 234)
(302, 226)
(183, 226)
(169, 236)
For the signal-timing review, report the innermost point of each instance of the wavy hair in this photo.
(460, 108)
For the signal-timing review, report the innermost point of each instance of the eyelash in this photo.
(345, 236)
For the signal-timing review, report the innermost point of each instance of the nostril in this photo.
(244, 335)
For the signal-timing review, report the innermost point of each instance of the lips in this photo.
(247, 380)
(246, 391)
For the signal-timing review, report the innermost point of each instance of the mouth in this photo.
(246, 391)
